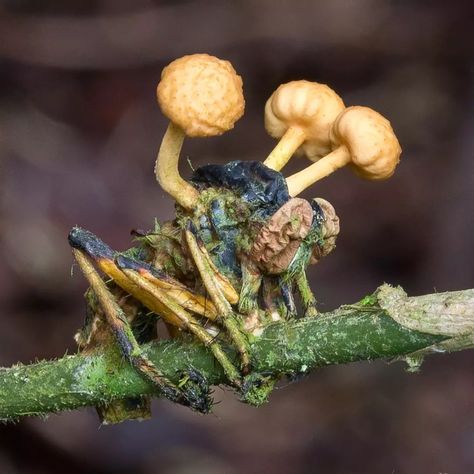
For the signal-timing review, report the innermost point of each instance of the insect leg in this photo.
(123, 332)
(307, 297)
(212, 280)
(251, 282)
(163, 296)
(287, 296)
(174, 289)
(272, 298)
(81, 241)
(168, 304)
(249, 294)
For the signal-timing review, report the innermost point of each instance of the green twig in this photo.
(386, 325)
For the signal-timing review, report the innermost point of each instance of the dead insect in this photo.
(231, 260)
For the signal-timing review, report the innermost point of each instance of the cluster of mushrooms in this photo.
(202, 96)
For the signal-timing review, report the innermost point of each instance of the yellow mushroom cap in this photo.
(201, 94)
(309, 106)
(371, 141)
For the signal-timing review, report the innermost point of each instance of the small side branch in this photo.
(387, 324)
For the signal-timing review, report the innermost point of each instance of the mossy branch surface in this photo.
(385, 325)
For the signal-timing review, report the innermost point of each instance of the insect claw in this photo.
(256, 389)
(197, 392)
(89, 243)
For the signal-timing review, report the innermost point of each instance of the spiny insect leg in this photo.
(88, 246)
(286, 288)
(251, 283)
(126, 339)
(104, 257)
(129, 268)
(307, 297)
(174, 289)
(212, 281)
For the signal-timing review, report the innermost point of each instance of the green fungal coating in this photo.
(346, 335)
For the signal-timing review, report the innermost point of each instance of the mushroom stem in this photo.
(288, 144)
(166, 168)
(298, 182)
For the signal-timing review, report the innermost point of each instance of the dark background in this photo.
(79, 129)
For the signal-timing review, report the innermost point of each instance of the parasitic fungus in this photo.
(202, 96)
(361, 138)
(301, 114)
(279, 239)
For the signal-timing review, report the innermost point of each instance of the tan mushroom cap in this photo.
(361, 138)
(371, 141)
(308, 106)
(201, 94)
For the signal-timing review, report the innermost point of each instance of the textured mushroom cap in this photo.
(201, 94)
(310, 106)
(374, 148)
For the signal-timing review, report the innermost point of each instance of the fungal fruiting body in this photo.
(202, 96)
(360, 137)
(300, 114)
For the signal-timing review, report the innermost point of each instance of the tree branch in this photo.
(387, 324)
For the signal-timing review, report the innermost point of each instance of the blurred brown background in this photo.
(79, 129)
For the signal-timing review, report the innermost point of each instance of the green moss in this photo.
(257, 389)
(244, 242)
(343, 336)
(414, 362)
(369, 300)
(295, 222)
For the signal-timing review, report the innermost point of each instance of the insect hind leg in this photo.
(128, 344)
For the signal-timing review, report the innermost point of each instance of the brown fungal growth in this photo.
(360, 137)
(300, 113)
(202, 96)
(279, 239)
